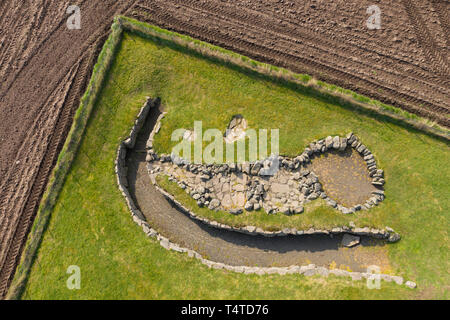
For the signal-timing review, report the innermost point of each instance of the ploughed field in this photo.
(44, 69)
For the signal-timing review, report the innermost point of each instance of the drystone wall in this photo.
(387, 233)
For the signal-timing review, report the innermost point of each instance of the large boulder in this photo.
(349, 240)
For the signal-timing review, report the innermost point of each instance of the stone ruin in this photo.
(235, 187)
(310, 270)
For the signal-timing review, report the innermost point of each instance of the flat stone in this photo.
(349, 240)
(165, 244)
(313, 196)
(213, 204)
(339, 272)
(394, 237)
(298, 210)
(249, 206)
(331, 202)
(328, 142)
(255, 169)
(343, 144)
(310, 271)
(304, 172)
(238, 199)
(250, 229)
(236, 211)
(350, 137)
(226, 201)
(361, 148)
(323, 271)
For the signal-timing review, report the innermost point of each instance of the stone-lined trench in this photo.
(227, 249)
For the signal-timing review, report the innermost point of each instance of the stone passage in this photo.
(340, 170)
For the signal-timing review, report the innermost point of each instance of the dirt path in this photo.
(344, 176)
(235, 248)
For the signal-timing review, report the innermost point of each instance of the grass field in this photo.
(92, 228)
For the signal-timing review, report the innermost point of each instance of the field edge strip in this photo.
(65, 158)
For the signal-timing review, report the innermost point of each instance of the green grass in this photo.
(92, 228)
(65, 158)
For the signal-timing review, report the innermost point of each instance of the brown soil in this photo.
(401, 64)
(44, 69)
